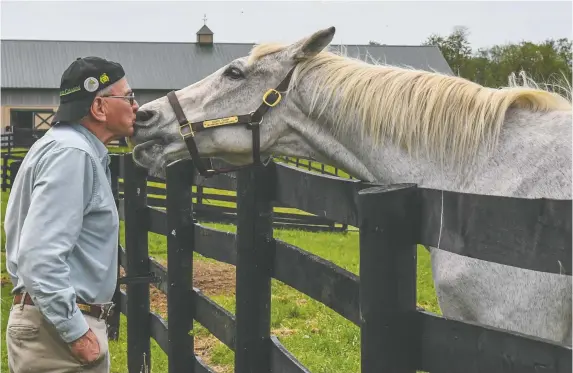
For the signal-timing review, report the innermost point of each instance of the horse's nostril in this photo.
(143, 115)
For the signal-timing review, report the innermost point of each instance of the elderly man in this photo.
(62, 227)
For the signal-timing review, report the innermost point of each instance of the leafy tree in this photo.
(455, 48)
(546, 62)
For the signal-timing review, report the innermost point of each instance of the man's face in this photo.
(120, 111)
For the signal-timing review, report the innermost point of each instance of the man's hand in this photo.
(86, 348)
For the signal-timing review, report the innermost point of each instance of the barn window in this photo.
(28, 125)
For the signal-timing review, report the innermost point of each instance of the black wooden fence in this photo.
(216, 202)
(395, 336)
(10, 159)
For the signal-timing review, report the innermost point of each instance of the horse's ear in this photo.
(312, 45)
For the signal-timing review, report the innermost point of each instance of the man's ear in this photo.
(311, 45)
(97, 109)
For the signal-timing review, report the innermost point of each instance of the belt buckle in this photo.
(106, 310)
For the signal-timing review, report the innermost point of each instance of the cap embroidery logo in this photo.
(104, 78)
(91, 84)
(68, 91)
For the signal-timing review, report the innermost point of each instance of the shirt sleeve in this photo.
(62, 193)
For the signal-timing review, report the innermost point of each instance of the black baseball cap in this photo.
(80, 83)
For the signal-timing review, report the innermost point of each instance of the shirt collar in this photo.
(99, 146)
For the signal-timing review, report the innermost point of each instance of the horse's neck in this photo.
(390, 164)
(522, 165)
(383, 163)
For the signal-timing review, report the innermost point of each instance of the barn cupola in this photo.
(205, 35)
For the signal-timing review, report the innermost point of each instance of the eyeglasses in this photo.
(130, 98)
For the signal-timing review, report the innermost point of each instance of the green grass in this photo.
(321, 339)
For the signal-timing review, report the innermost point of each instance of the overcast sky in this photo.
(357, 22)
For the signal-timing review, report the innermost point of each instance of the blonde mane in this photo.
(448, 117)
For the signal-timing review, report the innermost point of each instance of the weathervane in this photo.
(204, 19)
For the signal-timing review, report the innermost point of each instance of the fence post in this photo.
(199, 194)
(388, 278)
(255, 256)
(180, 247)
(14, 168)
(136, 247)
(114, 321)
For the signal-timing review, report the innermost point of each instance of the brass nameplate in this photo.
(220, 122)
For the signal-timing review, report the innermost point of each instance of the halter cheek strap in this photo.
(252, 121)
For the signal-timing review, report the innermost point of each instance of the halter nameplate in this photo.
(220, 122)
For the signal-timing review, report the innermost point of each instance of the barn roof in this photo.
(164, 65)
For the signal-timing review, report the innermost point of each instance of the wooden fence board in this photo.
(153, 201)
(159, 331)
(528, 233)
(157, 221)
(113, 322)
(282, 361)
(450, 346)
(138, 332)
(221, 181)
(216, 244)
(318, 278)
(321, 195)
(220, 322)
(201, 367)
(387, 278)
(180, 247)
(254, 265)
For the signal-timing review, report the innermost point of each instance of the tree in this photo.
(546, 62)
(455, 48)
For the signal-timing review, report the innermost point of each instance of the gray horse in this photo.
(393, 125)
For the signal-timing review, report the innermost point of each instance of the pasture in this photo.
(317, 336)
(320, 338)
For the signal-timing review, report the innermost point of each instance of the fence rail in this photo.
(218, 205)
(208, 205)
(9, 168)
(395, 335)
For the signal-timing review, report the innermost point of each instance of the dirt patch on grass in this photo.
(212, 278)
(204, 346)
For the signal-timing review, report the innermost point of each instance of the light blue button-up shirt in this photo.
(62, 227)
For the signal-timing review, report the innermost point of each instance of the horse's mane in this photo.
(448, 117)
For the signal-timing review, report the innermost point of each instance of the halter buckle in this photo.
(191, 133)
(268, 93)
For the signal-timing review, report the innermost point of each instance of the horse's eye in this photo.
(233, 73)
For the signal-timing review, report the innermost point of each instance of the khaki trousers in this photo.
(34, 345)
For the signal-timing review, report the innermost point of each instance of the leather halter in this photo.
(252, 121)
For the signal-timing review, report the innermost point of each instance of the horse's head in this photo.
(232, 93)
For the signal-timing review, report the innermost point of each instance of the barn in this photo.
(31, 70)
